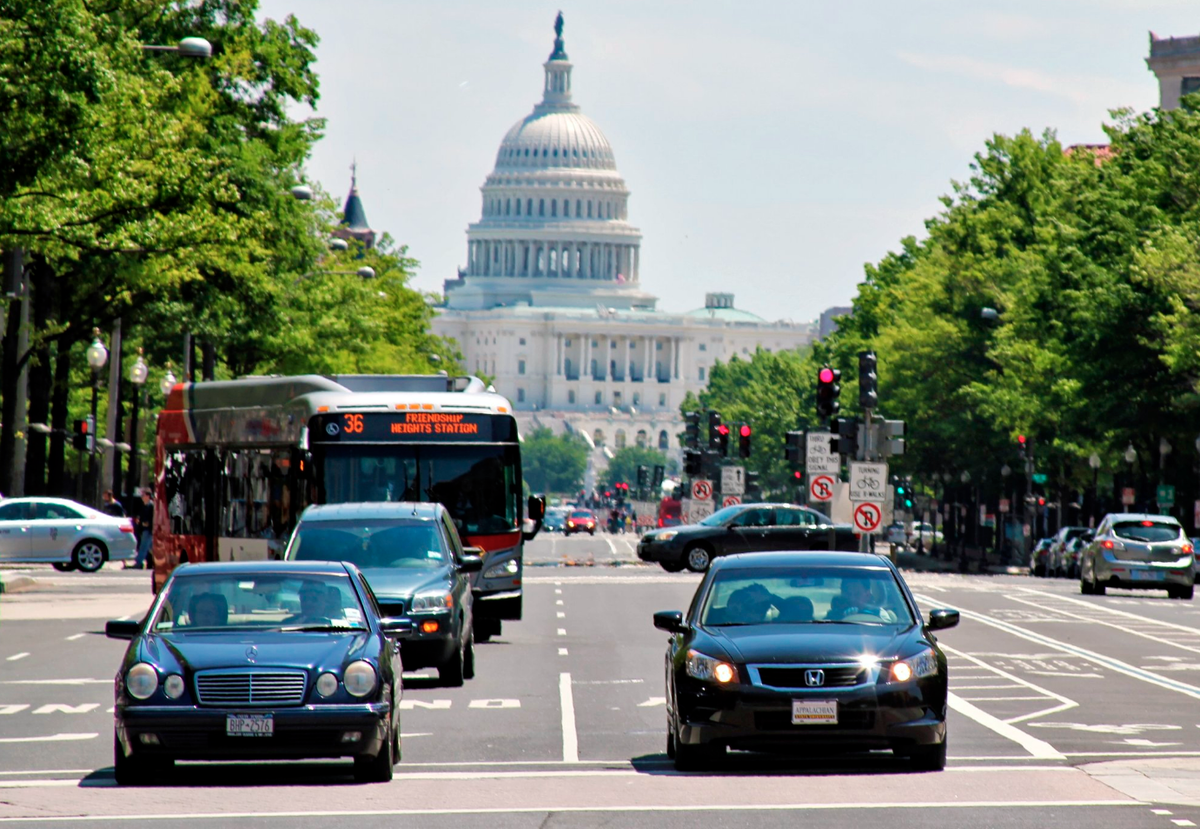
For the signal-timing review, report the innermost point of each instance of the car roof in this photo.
(44, 499)
(276, 568)
(1142, 516)
(373, 510)
(811, 558)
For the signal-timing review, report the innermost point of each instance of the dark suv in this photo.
(415, 565)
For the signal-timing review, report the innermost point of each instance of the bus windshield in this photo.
(478, 484)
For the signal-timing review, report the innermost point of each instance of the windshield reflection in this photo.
(240, 602)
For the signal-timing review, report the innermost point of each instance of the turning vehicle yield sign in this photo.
(821, 488)
(867, 517)
(702, 490)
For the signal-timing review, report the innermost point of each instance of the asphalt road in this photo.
(1067, 711)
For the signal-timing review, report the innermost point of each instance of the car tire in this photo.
(929, 758)
(89, 555)
(697, 758)
(1098, 589)
(1186, 593)
(63, 566)
(377, 769)
(671, 566)
(698, 557)
(128, 771)
(450, 672)
(592, 533)
(1084, 587)
(469, 656)
(1040, 571)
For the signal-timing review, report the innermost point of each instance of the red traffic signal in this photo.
(744, 431)
(798, 475)
(826, 375)
(744, 440)
(1021, 439)
(722, 429)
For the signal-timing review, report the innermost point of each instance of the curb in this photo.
(17, 584)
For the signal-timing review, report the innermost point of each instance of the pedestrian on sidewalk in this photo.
(109, 505)
(143, 527)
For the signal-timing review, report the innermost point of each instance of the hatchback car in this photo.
(580, 521)
(64, 533)
(1057, 563)
(1039, 557)
(1139, 550)
(799, 652)
(416, 565)
(259, 660)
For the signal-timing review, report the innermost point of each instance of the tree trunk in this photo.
(56, 480)
(9, 377)
(42, 287)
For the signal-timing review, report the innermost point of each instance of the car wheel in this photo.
(697, 558)
(929, 758)
(469, 657)
(1039, 570)
(64, 566)
(1084, 587)
(128, 771)
(450, 673)
(1098, 589)
(671, 566)
(89, 555)
(377, 769)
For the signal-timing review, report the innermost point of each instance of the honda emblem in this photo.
(814, 678)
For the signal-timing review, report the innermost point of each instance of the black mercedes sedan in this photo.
(744, 528)
(259, 660)
(804, 653)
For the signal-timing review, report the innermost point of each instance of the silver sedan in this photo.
(64, 533)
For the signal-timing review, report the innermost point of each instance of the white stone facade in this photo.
(550, 302)
(1176, 63)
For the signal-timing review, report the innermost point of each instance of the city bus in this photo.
(237, 462)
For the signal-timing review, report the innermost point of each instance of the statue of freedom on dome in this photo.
(558, 24)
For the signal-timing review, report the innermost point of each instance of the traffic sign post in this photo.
(1127, 496)
(731, 501)
(819, 459)
(868, 518)
(694, 511)
(1004, 505)
(820, 488)
(1165, 496)
(868, 481)
(733, 480)
(702, 490)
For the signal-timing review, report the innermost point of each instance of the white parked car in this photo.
(64, 533)
(923, 531)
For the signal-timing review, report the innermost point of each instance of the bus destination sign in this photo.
(380, 427)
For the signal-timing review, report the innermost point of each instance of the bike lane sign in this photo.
(818, 459)
(868, 482)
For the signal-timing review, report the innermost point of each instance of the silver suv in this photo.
(1142, 551)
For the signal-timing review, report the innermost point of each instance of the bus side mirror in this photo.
(536, 507)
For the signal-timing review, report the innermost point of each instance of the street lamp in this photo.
(97, 358)
(138, 375)
(188, 47)
(168, 382)
(1130, 457)
(1094, 463)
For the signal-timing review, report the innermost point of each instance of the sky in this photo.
(771, 149)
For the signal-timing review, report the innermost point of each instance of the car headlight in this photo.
(508, 568)
(327, 684)
(922, 665)
(174, 686)
(665, 535)
(709, 669)
(360, 678)
(141, 681)
(432, 602)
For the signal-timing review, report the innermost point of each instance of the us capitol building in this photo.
(551, 302)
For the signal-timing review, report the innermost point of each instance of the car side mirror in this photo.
(470, 563)
(670, 620)
(535, 508)
(942, 618)
(396, 628)
(122, 629)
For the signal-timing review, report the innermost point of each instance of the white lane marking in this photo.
(46, 771)
(1000, 699)
(562, 651)
(432, 705)
(556, 583)
(614, 682)
(612, 548)
(1182, 822)
(559, 602)
(51, 738)
(562, 631)
(1036, 747)
(1124, 628)
(494, 703)
(12, 708)
(826, 806)
(59, 708)
(1065, 704)
(558, 590)
(561, 615)
(416, 734)
(17, 656)
(570, 736)
(653, 701)
(75, 636)
(986, 687)
(1161, 811)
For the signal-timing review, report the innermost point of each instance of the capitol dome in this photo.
(554, 228)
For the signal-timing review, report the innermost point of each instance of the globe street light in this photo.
(168, 382)
(138, 375)
(1094, 463)
(97, 358)
(189, 47)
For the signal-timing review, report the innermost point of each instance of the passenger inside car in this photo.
(795, 609)
(208, 610)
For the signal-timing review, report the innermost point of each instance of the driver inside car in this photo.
(314, 605)
(859, 600)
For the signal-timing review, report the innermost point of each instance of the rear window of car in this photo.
(1150, 531)
(370, 544)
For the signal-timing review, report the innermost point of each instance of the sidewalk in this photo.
(926, 563)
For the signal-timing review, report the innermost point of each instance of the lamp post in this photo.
(138, 376)
(1094, 463)
(168, 382)
(97, 358)
(188, 47)
(1002, 520)
(1130, 457)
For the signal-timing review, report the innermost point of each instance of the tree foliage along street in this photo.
(622, 468)
(553, 463)
(1091, 256)
(155, 189)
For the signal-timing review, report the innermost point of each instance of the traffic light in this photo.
(904, 499)
(828, 389)
(793, 449)
(643, 477)
(84, 438)
(1022, 448)
(656, 482)
(691, 435)
(845, 437)
(693, 462)
(868, 380)
(744, 440)
(714, 430)
(723, 440)
(753, 490)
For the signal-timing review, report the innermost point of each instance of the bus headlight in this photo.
(503, 570)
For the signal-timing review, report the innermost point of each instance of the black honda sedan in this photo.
(259, 660)
(804, 652)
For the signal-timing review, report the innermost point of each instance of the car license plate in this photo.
(249, 725)
(1148, 575)
(814, 712)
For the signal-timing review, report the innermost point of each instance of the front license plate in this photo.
(1148, 575)
(814, 712)
(249, 725)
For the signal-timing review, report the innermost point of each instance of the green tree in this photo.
(553, 463)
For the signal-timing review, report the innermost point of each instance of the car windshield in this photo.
(581, 514)
(414, 545)
(721, 516)
(806, 595)
(1147, 531)
(259, 601)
